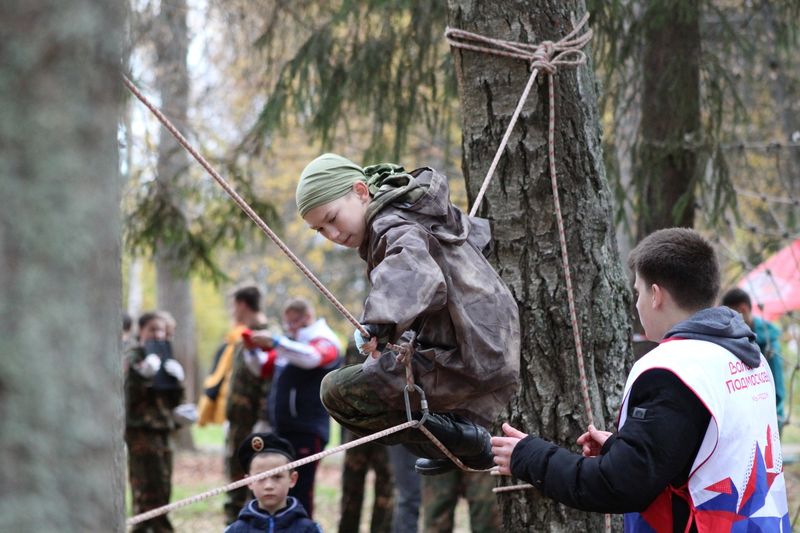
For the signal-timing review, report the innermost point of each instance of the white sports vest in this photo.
(736, 481)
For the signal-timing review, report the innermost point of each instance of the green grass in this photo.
(211, 436)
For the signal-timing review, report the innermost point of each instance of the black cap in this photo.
(263, 443)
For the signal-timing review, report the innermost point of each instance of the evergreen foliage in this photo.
(194, 219)
(383, 59)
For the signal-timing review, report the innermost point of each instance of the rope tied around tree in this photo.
(546, 56)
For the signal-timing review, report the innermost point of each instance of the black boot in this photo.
(466, 440)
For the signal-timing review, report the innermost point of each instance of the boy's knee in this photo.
(340, 390)
(327, 390)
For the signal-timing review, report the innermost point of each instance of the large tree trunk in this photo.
(520, 203)
(669, 134)
(172, 271)
(61, 413)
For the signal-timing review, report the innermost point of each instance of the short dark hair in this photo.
(127, 322)
(249, 296)
(681, 261)
(735, 297)
(298, 305)
(145, 318)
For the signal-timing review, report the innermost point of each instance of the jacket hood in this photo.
(724, 327)
(258, 517)
(425, 199)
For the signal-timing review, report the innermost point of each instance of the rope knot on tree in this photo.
(546, 56)
(541, 58)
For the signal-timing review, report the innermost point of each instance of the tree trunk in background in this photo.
(135, 288)
(61, 411)
(666, 166)
(669, 135)
(786, 105)
(527, 255)
(172, 78)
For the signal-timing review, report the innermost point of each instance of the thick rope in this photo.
(244, 206)
(573, 315)
(284, 468)
(547, 56)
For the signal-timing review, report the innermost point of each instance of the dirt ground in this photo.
(199, 471)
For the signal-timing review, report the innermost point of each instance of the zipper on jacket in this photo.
(293, 402)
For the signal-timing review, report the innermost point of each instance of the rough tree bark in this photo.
(527, 256)
(173, 282)
(61, 415)
(669, 134)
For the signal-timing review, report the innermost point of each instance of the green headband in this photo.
(325, 179)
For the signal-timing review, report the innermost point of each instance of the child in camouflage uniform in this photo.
(428, 275)
(153, 388)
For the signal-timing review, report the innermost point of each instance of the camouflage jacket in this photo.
(247, 395)
(428, 275)
(145, 406)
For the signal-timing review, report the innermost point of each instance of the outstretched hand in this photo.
(592, 441)
(503, 447)
(261, 338)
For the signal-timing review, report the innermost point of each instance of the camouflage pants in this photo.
(440, 495)
(357, 461)
(150, 473)
(351, 400)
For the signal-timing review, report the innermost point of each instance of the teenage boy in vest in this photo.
(697, 446)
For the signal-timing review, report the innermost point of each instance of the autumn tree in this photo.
(61, 416)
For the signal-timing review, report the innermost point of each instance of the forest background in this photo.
(701, 131)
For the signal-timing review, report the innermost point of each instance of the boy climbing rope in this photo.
(430, 282)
